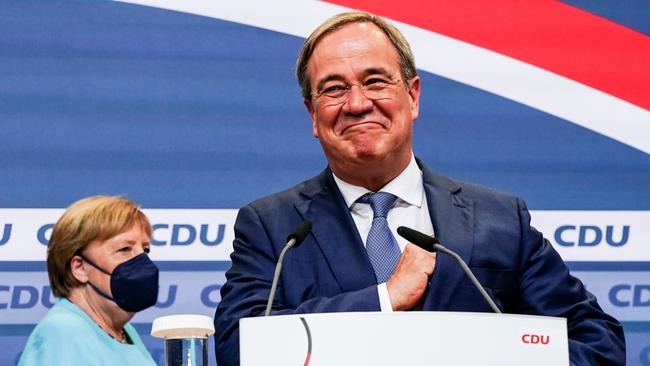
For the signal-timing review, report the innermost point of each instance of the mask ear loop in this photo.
(100, 292)
(93, 264)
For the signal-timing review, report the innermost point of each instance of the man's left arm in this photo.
(547, 288)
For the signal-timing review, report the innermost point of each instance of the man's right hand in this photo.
(409, 281)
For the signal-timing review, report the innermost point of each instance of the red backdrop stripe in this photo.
(549, 34)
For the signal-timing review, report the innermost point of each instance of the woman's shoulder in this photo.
(64, 319)
(62, 337)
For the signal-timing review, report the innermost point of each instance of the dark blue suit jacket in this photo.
(330, 271)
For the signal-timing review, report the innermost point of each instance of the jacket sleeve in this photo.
(248, 284)
(546, 287)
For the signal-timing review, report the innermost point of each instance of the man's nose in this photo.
(357, 102)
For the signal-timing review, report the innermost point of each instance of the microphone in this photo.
(431, 244)
(293, 240)
(422, 240)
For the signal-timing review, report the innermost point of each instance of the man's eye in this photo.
(333, 89)
(124, 249)
(376, 83)
(147, 250)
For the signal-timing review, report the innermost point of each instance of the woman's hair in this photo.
(87, 220)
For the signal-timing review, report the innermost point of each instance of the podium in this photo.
(404, 338)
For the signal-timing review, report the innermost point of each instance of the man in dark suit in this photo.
(362, 91)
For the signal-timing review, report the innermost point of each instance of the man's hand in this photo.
(409, 281)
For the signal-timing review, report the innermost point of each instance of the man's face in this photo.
(361, 130)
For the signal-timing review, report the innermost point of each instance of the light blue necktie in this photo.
(382, 248)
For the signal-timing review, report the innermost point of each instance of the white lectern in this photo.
(404, 338)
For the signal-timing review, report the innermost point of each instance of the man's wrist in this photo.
(385, 303)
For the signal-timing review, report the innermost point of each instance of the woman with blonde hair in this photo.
(98, 266)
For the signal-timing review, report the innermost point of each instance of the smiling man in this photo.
(361, 89)
(362, 108)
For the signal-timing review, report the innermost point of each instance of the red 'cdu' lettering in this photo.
(535, 339)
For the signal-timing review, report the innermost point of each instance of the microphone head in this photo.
(300, 233)
(422, 240)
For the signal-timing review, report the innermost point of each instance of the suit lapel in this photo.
(336, 234)
(453, 222)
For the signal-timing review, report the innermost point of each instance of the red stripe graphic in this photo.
(549, 34)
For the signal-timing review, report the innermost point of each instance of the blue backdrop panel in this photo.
(118, 98)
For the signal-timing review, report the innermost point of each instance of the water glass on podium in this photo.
(186, 338)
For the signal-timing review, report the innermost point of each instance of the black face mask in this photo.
(134, 283)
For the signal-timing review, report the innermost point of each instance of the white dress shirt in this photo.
(410, 209)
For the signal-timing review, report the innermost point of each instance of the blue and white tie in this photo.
(382, 248)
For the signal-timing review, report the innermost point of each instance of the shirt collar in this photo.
(407, 186)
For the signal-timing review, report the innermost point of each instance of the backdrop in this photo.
(191, 108)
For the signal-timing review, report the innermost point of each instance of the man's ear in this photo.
(414, 94)
(312, 115)
(78, 268)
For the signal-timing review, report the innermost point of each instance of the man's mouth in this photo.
(361, 125)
